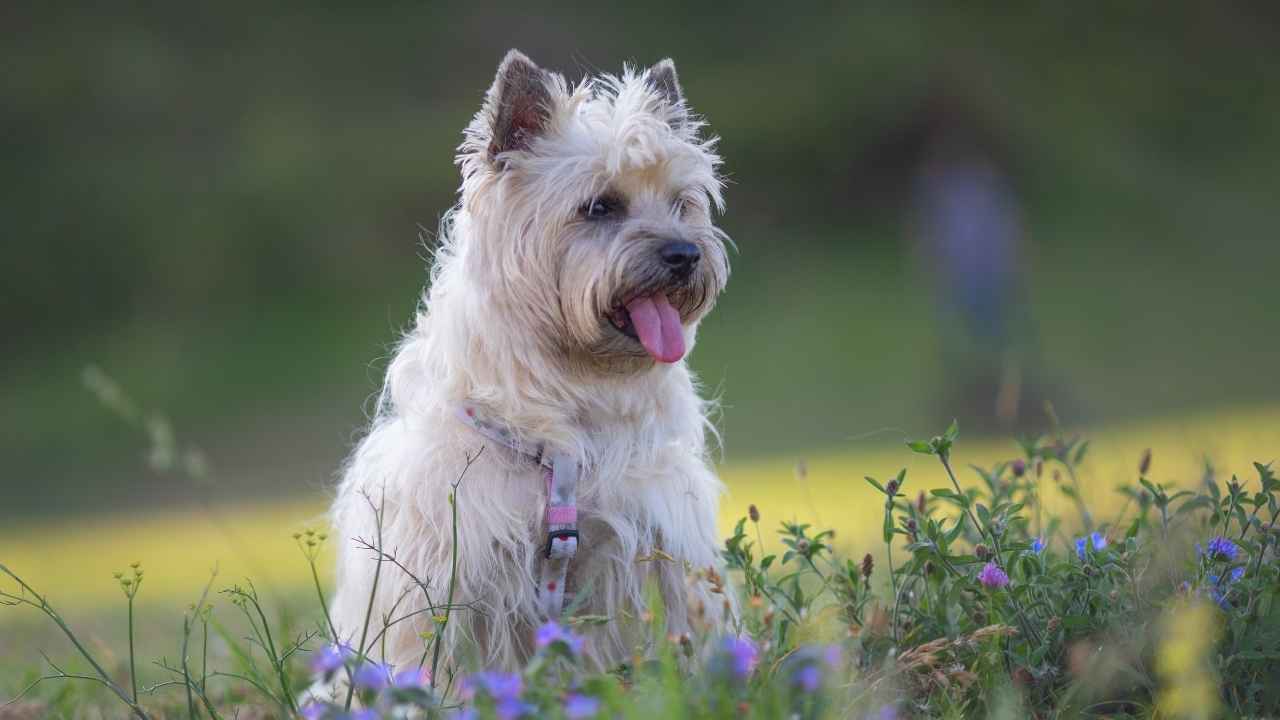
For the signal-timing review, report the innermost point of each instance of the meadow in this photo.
(72, 563)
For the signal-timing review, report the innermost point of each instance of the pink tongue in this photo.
(658, 325)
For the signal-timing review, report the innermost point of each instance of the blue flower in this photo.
(1218, 592)
(365, 714)
(742, 655)
(808, 678)
(498, 685)
(553, 632)
(371, 676)
(512, 708)
(330, 658)
(1220, 548)
(411, 678)
(313, 711)
(1096, 539)
(580, 707)
(1037, 547)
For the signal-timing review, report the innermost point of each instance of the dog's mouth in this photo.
(652, 321)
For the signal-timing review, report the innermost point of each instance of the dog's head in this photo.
(590, 210)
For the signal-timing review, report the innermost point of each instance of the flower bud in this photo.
(983, 552)
(867, 565)
(753, 512)
(1144, 465)
(891, 487)
(1019, 467)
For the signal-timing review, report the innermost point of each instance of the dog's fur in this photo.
(517, 322)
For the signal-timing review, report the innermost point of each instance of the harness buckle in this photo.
(564, 536)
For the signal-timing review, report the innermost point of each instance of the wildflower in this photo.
(371, 676)
(1220, 548)
(553, 632)
(411, 678)
(1019, 467)
(891, 488)
(742, 656)
(313, 711)
(512, 708)
(330, 658)
(365, 714)
(580, 707)
(1037, 545)
(1218, 589)
(807, 678)
(992, 576)
(867, 565)
(1096, 539)
(498, 685)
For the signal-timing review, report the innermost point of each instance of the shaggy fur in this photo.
(517, 322)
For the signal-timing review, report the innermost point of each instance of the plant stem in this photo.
(133, 672)
(1027, 627)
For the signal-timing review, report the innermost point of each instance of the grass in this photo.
(72, 560)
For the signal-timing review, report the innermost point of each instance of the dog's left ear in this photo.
(662, 77)
(519, 105)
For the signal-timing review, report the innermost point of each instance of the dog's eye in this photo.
(600, 207)
(682, 206)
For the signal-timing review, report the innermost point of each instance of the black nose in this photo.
(680, 257)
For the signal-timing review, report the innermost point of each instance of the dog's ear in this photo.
(519, 105)
(662, 77)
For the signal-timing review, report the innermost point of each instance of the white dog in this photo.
(565, 294)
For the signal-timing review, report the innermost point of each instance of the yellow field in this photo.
(72, 561)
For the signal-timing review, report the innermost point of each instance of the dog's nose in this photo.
(680, 257)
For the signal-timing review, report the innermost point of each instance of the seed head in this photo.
(920, 502)
(982, 551)
(867, 565)
(753, 512)
(1144, 465)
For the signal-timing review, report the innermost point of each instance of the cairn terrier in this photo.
(564, 296)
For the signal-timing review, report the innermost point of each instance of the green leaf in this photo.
(953, 431)
(921, 446)
(875, 484)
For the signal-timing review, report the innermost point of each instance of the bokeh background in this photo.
(941, 213)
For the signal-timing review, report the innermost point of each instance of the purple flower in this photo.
(832, 655)
(313, 711)
(807, 678)
(330, 658)
(1037, 547)
(1097, 539)
(742, 654)
(1217, 590)
(411, 678)
(365, 714)
(1220, 548)
(512, 708)
(580, 707)
(553, 632)
(498, 685)
(992, 576)
(888, 711)
(371, 676)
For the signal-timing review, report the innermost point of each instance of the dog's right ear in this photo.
(519, 105)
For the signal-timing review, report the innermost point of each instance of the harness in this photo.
(560, 472)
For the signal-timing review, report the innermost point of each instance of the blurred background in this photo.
(963, 212)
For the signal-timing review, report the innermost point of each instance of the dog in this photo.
(542, 394)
